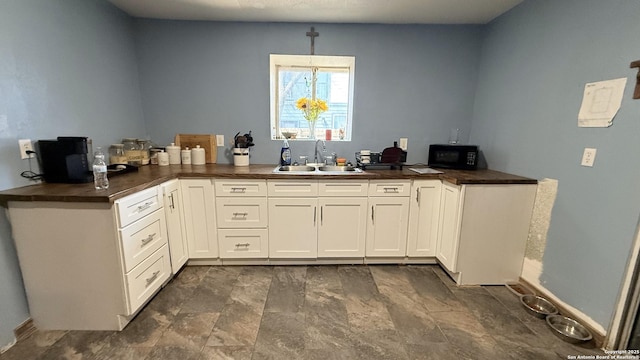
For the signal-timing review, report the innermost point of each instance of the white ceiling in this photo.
(322, 11)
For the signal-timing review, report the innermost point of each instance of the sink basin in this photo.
(337, 168)
(290, 168)
(319, 169)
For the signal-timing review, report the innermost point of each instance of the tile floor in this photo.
(315, 312)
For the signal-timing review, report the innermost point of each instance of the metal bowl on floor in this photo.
(568, 329)
(538, 306)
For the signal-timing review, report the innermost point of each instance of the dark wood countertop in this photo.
(152, 175)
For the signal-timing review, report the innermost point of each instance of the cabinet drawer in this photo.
(343, 188)
(243, 243)
(146, 278)
(143, 238)
(138, 205)
(241, 212)
(389, 188)
(241, 188)
(293, 188)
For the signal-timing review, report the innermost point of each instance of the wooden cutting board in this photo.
(206, 141)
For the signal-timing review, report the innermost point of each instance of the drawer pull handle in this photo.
(238, 189)
(144, 207)
(148, 239)
(153, 277)
(243, 214)
(244, 245)
(391, 190)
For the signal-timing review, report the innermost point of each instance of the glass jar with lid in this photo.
(132, 151)
(116, 154)
(144, 146)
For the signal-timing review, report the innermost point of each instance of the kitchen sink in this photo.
(316, 169)
(337, 168)
(290, 168)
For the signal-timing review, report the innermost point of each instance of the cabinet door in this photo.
(342, 228)
(449, 230)
(175, 225)
(199, 216)
(293, 228)
(387, 226)
(423, 218)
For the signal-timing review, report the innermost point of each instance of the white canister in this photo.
(241, 156)
(174, 154)
(163, 158)
(198, 156)
(185, 156)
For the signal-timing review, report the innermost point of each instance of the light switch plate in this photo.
(588, 157)
(220, 140)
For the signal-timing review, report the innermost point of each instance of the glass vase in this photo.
(312, 129)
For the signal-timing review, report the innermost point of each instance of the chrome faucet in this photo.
(316, 152)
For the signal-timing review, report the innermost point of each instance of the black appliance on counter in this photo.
(453, 156)
(65, 160)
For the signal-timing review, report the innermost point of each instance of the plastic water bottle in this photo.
(100, 171)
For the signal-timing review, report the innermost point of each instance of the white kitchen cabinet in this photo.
(342, 228)
(242, 218)
(424, 215)
(241, 213)
(200, 220)
(388, 217)
(293, 226)
(243, 243)
(175, 224)
(323, 219)
(343, 219)
(91, 266)
(483, 231)
(449, 228)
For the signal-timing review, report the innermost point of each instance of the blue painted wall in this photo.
(410, 81)
(536, 60)
(67, 67)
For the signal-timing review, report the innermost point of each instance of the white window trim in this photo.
(276, 60)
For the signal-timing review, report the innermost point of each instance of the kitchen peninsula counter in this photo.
(152, 175)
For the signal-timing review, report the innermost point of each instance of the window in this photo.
(311, 94)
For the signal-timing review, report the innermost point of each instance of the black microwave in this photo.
(453, 156)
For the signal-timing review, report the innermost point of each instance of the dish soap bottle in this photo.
(285, 154)
(100, 171)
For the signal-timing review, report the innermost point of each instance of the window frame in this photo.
(307, 61)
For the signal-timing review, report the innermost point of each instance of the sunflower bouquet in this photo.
(311, 108)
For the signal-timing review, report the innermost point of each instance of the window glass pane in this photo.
(297, 91)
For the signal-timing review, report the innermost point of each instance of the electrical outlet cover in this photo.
(588, 157)
(404, 143)
(25, 145)
(220, 140)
